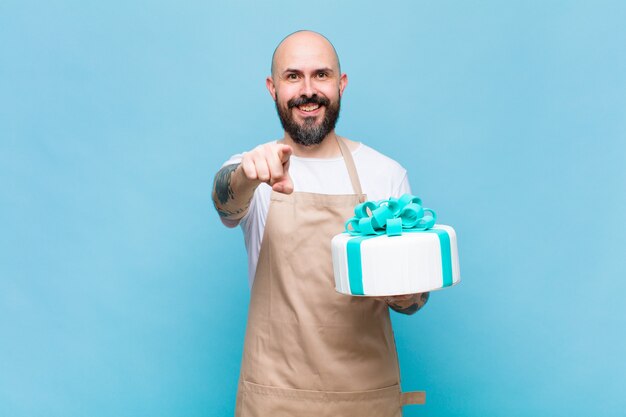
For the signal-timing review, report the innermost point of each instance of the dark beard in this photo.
(309, 134)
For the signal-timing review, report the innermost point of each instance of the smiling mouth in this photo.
(309, 107)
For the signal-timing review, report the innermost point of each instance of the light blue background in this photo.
(122, 295)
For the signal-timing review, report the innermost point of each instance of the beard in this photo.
(309, 133)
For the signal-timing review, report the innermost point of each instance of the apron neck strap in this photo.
(354, 176)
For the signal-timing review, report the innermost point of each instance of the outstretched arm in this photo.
(234, 185)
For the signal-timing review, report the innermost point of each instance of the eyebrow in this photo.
(297, 71)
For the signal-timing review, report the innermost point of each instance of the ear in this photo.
(343, 82)
(269, 83)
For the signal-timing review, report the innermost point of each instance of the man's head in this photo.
(307, 85)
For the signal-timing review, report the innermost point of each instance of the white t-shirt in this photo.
(381, 177)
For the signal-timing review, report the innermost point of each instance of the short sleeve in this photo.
(404, 187)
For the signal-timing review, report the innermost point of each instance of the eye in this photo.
(292, 77)
(321, 75)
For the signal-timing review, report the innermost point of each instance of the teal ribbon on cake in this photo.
(391, 217)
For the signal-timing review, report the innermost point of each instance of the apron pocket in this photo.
(265, 401)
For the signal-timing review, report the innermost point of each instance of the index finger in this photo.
(284, 153)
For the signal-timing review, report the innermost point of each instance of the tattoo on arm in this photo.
(227, 213)
(223, 190)
(223, 194)
(413, 308)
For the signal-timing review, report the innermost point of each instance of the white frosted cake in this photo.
(380, 265)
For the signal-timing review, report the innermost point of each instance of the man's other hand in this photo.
(407, 303)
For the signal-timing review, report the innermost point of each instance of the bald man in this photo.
(310, 351)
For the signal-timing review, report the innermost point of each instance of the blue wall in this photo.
(121, 293)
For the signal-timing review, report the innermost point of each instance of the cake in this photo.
(394, 247)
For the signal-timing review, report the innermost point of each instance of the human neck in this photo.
(327, 148)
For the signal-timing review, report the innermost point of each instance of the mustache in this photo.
(302, 100)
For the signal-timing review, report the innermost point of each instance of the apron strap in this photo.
(413, 397)
(354, 176)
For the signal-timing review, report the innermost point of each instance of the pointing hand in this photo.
(269, 163)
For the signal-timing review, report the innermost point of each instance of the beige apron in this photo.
(310, 351)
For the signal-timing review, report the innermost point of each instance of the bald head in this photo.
(306, 84)
(304, 44)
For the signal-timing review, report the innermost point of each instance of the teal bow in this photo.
(390, 216)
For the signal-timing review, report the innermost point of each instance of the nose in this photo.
(308, 87)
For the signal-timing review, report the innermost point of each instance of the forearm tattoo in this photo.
(224, 192)
(228, 213)
(413, 308)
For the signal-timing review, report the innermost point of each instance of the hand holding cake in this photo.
(407, 303)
